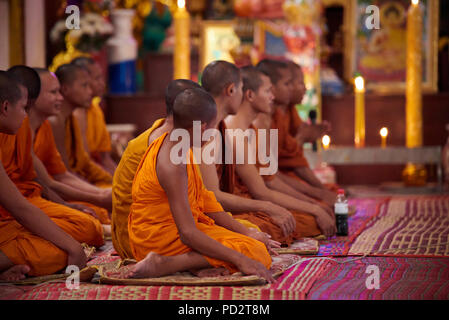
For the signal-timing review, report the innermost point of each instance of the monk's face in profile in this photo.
(50, 99)
(13, 114)
(298, 86)
(98, 85)
(235, 97)
(282, 88)
(263, 97)
(78, 92)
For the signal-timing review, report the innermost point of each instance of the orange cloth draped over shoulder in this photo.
(151, 225)
(80, 161)
(306, 225)
(121, 189)
(45, 149)
(97, 134)
(291, 154)
(17, 243)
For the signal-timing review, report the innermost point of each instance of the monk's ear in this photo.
(249, 95)
(230, 89)
(4, 107)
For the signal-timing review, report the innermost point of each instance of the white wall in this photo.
(34, 16)
(4, 35)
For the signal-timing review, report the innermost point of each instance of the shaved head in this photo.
(218, 75)
(83, 62)
(67, 73)
(272, 69)
(28, 78)
(193, 105)
(252, 78)
(174, 88)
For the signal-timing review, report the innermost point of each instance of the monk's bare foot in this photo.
(150, 267)
(211, 272)
(107, 230)
(15, 273)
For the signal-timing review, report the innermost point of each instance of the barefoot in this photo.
(211, 272)
(15, 273)
(151, 267)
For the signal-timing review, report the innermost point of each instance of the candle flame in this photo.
(326, 140)
(181, 3)
(384, 132)
(359, 83)
(415, 2)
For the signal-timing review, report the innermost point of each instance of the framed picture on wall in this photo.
(218, 39)
(380, 54)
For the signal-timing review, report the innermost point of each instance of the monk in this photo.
(75, 89)
(126, 170)
(307, 213)
(95, 135)
(223, 81)
(37, 237)
(175, 223)
(46, 158)
(291, 157)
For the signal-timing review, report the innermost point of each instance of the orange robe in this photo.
(306, 225)
(121, 189)
(45, 149)
(79, 160)
(17, 243)
(97, 134)
(151, 225)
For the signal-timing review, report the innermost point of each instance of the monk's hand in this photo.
(83, 208)
(265, 238)
(105, 197)
(252, 267)
(77, 256)
(282, 218)
(325, 222)
(326, 208)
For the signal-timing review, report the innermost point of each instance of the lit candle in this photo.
(181, 56)
(326, 140)
(384, 134)
(414, 76)
(359, 124)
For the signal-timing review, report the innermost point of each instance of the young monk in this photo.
(75, 89)
(37, 237)
(91, 121)
(308, 215)
(126, 170)
(175, 223)
(291, 157)
(223, 81)
(47, 160)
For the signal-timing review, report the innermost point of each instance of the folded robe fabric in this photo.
(79, 160)
(17, 243)
(45, 149)
(151, 225)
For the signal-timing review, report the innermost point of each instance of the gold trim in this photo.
(16, 33)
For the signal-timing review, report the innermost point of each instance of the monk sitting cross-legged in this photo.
(291, 156)
(75, 89)
(309, 217)
(37, 237)
(175, 223)
(91, 121)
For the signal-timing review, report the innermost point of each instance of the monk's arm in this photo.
(107, 163)
(36, 221)
(230, 202)
(76, 182)
(307, 174)
(66, 192)
(58, 128)
(309, 190)
(173, 179)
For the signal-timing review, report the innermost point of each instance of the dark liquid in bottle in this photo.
(342, 224)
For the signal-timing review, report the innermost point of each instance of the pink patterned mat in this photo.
(400, 279)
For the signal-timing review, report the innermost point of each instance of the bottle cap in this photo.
(341, 191)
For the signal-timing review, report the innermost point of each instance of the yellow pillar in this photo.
(16, 36)
(181, 56)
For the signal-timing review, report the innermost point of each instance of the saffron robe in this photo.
(151, 225)
(97, 134)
